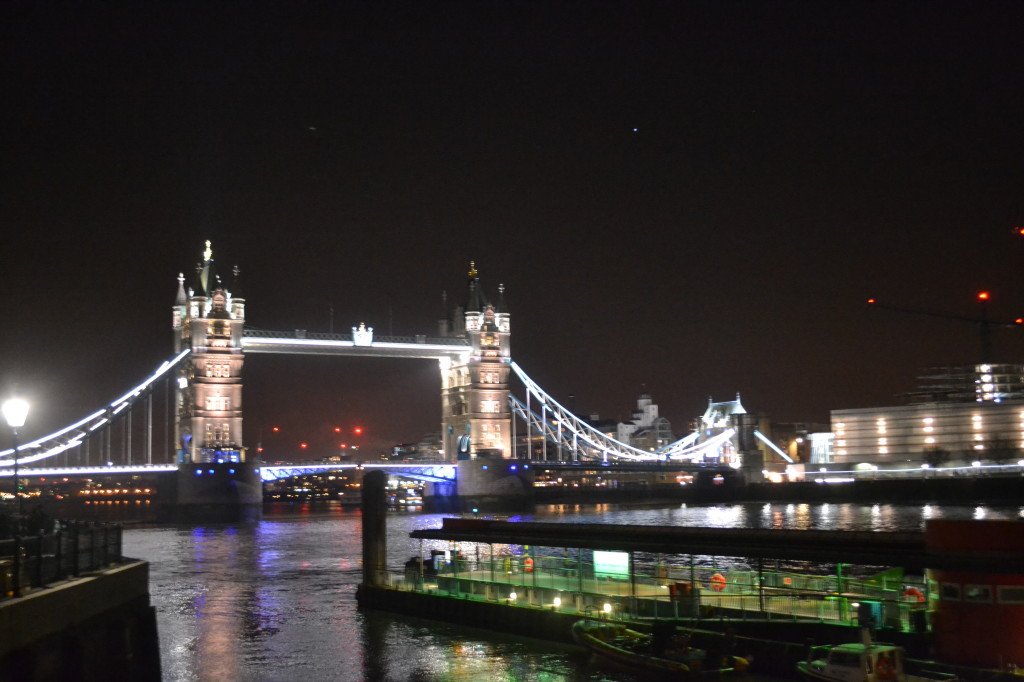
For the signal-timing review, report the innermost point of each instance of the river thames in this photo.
(275, 600)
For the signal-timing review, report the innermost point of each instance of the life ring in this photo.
(717, 582)
(884, 668)
(528, 565)
(913, 594)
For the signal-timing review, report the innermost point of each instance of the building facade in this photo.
(976, 413)
(209, 319)
(645, 429)
(476, 416)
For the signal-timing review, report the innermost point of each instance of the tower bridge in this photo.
(490, 436)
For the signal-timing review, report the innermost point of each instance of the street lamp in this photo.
(16, 412)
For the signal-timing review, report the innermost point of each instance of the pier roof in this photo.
(867, 548)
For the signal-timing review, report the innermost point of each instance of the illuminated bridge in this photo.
(186, 417)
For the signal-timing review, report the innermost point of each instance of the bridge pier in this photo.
(215, 493)
(495, 484)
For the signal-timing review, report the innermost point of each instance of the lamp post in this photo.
(16, 412)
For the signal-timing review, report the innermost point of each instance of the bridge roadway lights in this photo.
(216, 493)
(495, 484)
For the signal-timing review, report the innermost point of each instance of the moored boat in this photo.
(669, 657)
(864, 661)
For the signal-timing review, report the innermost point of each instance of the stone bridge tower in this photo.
(476, 418)
(209, 320)
(214, 480)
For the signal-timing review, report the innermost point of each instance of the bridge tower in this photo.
(208, 319)
(476, 418)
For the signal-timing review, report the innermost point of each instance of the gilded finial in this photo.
(472, 269)
(208, 253)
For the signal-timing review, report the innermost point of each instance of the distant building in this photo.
(645, 430)
(959, 415)
(718, 419)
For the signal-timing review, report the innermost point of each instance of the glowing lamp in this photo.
(15, 412)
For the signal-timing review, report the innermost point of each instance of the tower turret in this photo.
(210, 383)
(477, 418)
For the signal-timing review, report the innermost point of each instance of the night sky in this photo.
(693, 198)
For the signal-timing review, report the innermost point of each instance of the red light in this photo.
(983, 296)
(358, 430)
(337, 429)
(1019, 230)
(871, 300)
(342, 445)
(259, 449)
(303, 445)
(276, 429)
(1019, 320)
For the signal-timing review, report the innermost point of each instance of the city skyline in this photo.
(694, 199)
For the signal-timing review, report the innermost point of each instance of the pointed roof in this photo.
(716, 412)
(475, 299)
(502, 307)
(236, 283)
(180, 298)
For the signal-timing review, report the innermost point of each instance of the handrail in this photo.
(36, 561)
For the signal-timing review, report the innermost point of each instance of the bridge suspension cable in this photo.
(570, 433)
(60, 441)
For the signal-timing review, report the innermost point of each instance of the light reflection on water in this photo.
(276, 600)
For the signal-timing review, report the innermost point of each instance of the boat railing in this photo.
(655, 590)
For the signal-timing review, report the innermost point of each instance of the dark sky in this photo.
(695, 198)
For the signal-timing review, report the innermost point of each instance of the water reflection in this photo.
(275, 600)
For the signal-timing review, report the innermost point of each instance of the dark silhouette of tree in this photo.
(1002, 450)
(936, 456)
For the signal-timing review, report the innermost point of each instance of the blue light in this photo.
(485, 467)
(512, 468)
(199, 472)
(231, 471)
(211, 471)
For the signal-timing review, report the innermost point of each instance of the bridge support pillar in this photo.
(216, 493)
(495, 484)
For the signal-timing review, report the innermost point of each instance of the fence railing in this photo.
(73, 550)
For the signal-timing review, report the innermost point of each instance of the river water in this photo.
(275, 600)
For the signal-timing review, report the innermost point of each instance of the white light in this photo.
(512, 596)
(607, 607)
(558, 602)
(976, 463)
(15, 412)
(182, 382)
(926, 465)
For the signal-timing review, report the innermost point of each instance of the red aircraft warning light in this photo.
(358, 430)
(983, 296)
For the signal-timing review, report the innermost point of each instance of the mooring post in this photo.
(374, 528)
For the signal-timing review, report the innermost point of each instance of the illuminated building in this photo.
(959, 415)
(209, 320)
(477, 420)
(646, 429)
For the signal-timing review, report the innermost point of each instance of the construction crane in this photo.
(983, 321)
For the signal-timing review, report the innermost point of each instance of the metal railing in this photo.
(75, 549)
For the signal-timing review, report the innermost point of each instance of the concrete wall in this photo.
(100, 627)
